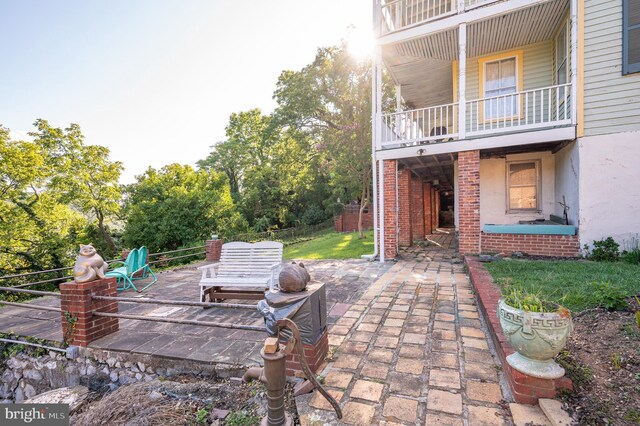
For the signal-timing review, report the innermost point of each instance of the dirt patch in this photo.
(181, 401)
(603, 360)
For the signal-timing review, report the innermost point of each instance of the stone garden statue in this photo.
(89, 265)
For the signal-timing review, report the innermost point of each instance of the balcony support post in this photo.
(378, 104)
(462, 79)
(461, 6)
(398, 97)
(574, 59)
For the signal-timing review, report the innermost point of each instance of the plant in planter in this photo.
(537, 331)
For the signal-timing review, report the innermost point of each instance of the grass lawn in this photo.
(333, 245)
(577, 285)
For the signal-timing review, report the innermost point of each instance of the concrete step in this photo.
(548, 413)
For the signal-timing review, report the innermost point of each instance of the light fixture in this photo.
(436, 182)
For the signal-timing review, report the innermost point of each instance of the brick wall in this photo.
(536, 245)
(426, 196)
(348, 221)
(76, 301)
(390, 219)
(417, 208)
(526, 389)
(469, 202)
(405, 233)
(314, 355)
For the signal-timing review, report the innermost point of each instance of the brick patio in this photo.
(412, 350)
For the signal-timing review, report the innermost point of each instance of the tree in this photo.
(178, 206)
(330, 100)
(82, 175)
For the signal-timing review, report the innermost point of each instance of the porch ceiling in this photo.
(423, 65)
(431, 167)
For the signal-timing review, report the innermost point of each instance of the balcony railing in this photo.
(529, 110)
(425, 124)
(399, 14)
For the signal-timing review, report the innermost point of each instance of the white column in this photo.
(574, 60)
(398, 98)
(378, 62)
(374, 170)
(460, 6)
(462, 79)
(381, 207)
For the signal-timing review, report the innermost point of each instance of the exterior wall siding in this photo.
(538, 68)
(611, 100)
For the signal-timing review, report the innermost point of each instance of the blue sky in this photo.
(155, 81)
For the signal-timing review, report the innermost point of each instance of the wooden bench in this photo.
(242, 265)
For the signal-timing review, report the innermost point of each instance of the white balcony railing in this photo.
(529, 110)
(425, 124)
(399, 14)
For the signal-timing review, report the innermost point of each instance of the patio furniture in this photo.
(242, 265)
(132, 269)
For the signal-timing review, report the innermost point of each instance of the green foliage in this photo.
(202, 416)
(632, 257)
(241, 418)
(567, 283)
(609, 296)
(52, 188)
(313, 215)
(519, 299)
(605, 250)
(177, 206)
(579, 374)
(332, 245)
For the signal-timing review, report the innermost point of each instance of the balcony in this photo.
(396, 15)
(536, 109)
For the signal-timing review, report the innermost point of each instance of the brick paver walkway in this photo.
(412, 350)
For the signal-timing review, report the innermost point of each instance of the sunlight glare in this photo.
(360, 41)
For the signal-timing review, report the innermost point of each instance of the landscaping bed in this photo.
(185, 400)
(602, 356)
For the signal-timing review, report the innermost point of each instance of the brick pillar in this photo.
(76, 303)
(314, 355)
(337, 222)
(417, 209)
(426, 195)
(434, 212)
(405, 234)
(390, 216)
(469, 204)
(437, 215)
(213, 250)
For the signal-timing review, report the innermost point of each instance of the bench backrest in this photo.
(249, 259)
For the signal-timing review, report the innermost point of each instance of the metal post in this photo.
(275, 375)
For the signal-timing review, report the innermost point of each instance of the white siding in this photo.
(567, 174)
(611, 100)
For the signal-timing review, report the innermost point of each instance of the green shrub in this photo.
(609, 296)
(605, 250)
(313, 215)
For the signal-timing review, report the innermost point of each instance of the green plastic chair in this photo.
(143, 266)
(126, 271)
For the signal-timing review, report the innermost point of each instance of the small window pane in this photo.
(523, 174)
(508, 73)
(523, 197)
(634, 46)
(523, 186)
(492, 76)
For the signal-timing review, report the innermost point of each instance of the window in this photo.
(500, 81)
(562, 54)
(523, 186)
(630, 36)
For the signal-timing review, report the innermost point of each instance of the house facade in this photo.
(516, 121)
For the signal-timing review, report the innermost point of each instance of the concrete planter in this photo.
(537, 338)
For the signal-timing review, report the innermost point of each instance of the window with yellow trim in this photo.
(500, 82)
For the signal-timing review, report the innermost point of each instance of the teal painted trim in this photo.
(530, 229)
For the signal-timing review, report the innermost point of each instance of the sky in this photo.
(156, 80)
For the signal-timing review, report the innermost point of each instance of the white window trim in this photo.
(538, 208)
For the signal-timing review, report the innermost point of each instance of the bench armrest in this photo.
(208, 271)
(273, 284)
